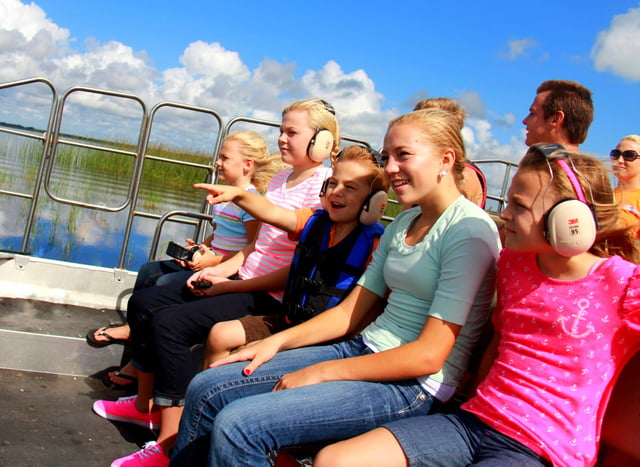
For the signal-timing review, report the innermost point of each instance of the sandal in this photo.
(108, 382)
(93, 342)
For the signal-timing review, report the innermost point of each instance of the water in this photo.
(83, 235)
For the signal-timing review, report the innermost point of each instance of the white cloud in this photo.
(517, 48)
(618, 47)
(209, 76)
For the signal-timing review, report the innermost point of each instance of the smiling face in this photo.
(231, 164)
(347, 189)
(538, 128)
(524, 213)
(627, 171)
(412, 163)
(295, 134)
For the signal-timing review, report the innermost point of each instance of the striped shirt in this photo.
(230, 234)
(273, 249)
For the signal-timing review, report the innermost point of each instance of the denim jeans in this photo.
(167, 321)
(233, 419)
(459, 439)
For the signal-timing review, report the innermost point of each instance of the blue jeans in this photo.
(459, 439)
(237, 420)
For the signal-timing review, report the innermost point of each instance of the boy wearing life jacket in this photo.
(335, 245)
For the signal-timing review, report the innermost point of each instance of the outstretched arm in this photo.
(256, 205)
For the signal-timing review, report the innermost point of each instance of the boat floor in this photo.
(46, 419)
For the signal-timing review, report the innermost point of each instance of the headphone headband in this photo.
(328, 107)
(571, 225)
(573, 179)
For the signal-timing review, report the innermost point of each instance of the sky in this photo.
(372, 61)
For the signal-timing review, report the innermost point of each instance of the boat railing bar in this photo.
(52, 138)
(153, 249)
(144, 142)
(509, 169)
(56, 141)
(45, 137)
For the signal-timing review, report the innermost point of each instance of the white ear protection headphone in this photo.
(571, 225)
(321, 144)
(375, 203)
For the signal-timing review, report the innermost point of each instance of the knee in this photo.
(163, 324)
(221, 336)
(136, 310)
(333, 456)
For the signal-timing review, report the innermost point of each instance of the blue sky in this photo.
(371, 61)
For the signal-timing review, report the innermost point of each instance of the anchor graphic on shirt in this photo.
(583, 304)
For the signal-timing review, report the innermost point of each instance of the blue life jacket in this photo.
(321, 276)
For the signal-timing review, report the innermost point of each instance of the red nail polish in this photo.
(246, 371)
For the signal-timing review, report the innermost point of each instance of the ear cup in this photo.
(323, 188)
(320, 146)
(373, 208)
(570, 227)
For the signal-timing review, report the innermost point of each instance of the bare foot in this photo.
(124, 376)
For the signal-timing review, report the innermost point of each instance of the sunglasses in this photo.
(629, 155)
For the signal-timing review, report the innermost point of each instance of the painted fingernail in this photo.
(246, 371)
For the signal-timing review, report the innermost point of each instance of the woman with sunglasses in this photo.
(626, 168)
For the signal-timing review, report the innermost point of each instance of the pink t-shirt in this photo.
(563, 344)
(273, 249)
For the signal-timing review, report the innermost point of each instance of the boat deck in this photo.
(46, 419)
(49, 379)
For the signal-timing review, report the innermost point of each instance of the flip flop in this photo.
(93, 342)
(132, 381)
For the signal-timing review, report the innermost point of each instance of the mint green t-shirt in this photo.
(449, 275)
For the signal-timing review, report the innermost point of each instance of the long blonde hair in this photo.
(254, 147)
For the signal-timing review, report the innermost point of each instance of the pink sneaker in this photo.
(124, 410)
(151, 455)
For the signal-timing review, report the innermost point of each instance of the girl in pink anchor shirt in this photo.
(567, 320)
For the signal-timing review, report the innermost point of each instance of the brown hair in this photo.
(368, 158)
(575, 101)
(444, 103)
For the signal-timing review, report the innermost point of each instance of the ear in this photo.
(448, 159)
(248, 165)
(557, 118)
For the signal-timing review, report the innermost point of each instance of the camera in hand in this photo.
(201, 284)
(179, 252)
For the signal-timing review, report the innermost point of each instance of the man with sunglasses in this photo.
(561, 113)
(626, 167)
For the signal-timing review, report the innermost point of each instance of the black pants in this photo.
(168, 320)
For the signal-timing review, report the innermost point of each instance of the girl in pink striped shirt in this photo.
(167, 321)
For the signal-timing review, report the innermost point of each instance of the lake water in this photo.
(83, 235)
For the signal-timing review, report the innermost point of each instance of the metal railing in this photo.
(52, 138)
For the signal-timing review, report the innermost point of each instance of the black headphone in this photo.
(571, 225)
(373, 207)
(321, 144)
